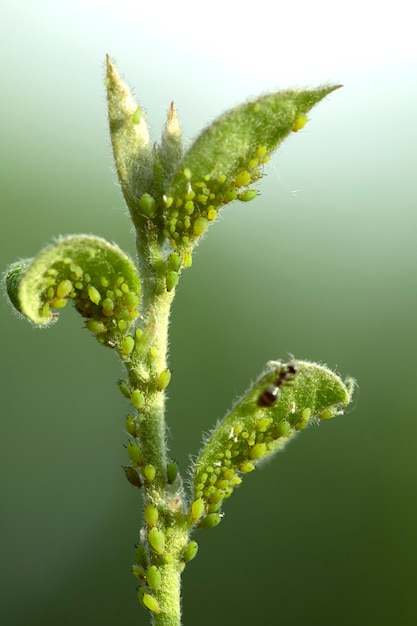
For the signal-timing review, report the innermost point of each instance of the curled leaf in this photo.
(101, 280)
(280, 403)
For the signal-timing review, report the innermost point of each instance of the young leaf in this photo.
(100, 279)
(175, 197)
(279, 404)
(229, 156)
(130, 140)
(170, 149)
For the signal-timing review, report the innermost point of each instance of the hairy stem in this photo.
(144, 372)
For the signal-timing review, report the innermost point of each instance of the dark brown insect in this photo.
(269, 396)
(286, 373)
(272, 392)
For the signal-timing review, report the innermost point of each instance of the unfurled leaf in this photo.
(228, 157)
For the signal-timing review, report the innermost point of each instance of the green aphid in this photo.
(306, 413)
(131, 425)
(172, 278)
(149, 473)
(132, 476)
(164, 379)
(156, 539)
(122, 325)
(327, 414)
(263, 423)
(214, 508)
(190, 551)
(139, 573)
(202, 198)
(151, 515)
(107, 307)
(174, 261)
(299, 123)
(242, 179)
(137, 399)
(64, 288)
(246, 467)
(283, 429)
(77, 272)
(247, 195)
(200, 226)
(147, 205)
(172, 471)
(151, 603)
(124, 388)
(229, 196)
(93, 293)
(134, 452)
(153, 577)
(197, 509)
(258, 451)
(127, 344)
(96, 326)
(210, 521)
(131, 301)
(58, 303)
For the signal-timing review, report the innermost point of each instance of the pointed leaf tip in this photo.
(130, 139)
(169, 151)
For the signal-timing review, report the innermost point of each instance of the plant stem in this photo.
(144, 370)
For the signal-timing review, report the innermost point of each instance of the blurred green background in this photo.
(322, 266)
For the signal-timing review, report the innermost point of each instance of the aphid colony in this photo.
(272, 392)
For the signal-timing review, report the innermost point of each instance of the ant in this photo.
(272, 392)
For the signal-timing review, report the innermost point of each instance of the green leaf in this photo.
(170, 149)
(101, 280)
(130, 140)
(229, 156)
(280, 403)
(174, 196)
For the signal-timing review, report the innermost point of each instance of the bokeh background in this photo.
(322, 265)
